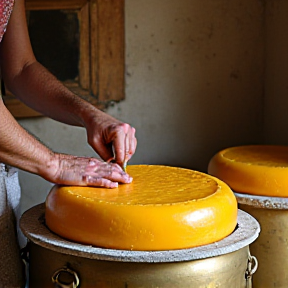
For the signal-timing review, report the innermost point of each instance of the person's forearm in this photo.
(20, 149)
(28, 80)
(34, 85)
(38, 89)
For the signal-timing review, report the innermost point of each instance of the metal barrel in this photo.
(271, 247)
(56, 262)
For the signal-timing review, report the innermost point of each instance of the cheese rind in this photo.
(164, 208)
(253, 169)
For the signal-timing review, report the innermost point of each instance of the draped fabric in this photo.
(11, 267)
(6, 7)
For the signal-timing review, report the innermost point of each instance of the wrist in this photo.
(88, 114)
(51, 167)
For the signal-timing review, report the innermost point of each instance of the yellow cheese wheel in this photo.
(163, 208)
(253, 169)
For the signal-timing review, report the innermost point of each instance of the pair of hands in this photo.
(34, 85)
(112, 140)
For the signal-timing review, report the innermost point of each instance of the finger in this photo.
(119, 144)
(127, 147)
(128, 144)
(115, 145)
(133, 142)
(105, 151)
(110, 171)
(99, 182)
(114, 177)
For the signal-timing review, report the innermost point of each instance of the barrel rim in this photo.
(32, 224)
(264, 202)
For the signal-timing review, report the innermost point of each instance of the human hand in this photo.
(85, 171)
(111, 138)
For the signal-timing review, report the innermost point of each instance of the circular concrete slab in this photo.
(33, 226)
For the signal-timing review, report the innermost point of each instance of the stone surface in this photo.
(33, 226)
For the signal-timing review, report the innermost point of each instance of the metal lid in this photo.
(33, 226)
(265, 202)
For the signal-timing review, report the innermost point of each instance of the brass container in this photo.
(56, 262)
(271, 247)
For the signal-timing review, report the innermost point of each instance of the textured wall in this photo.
(194, 85)
(276, 80)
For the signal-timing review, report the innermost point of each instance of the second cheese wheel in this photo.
(163, 208)
(253, 169)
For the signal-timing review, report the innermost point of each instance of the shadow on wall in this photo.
(196, 70)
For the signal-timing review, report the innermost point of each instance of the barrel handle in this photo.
(24, 253)
(55, 278)
(251, 269)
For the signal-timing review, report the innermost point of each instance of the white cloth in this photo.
(11, 265)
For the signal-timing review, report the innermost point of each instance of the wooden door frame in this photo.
(101, 48)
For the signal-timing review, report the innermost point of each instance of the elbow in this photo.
(12, 75)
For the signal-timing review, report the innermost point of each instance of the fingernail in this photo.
(114, 185)
(130, 179)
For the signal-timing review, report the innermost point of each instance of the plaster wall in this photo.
(194, 85)
(276, 76)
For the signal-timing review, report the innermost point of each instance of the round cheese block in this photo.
(255, 169)
(163, 208)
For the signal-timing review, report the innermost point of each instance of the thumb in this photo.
(105, 152)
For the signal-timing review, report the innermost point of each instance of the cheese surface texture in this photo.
(257, 169)
(163, 208)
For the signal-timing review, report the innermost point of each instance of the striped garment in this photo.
(6, 7)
